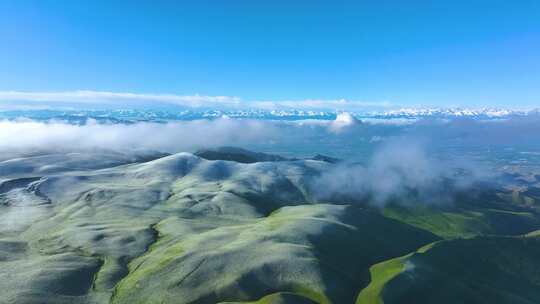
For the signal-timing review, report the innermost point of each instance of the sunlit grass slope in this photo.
(320, 253)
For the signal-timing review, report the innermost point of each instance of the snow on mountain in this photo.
(133, 115)
(452, 112)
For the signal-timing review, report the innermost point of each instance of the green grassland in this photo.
(483, 214)
(477, 270)
(317, 252)
(183, 229)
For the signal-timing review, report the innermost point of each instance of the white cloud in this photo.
(343, 120)
(169, 137)
(400, 170)
(334, 104)
(19, 99)
(122, 98)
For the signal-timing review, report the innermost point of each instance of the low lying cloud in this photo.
(399, 171)
(167, 137)
(338, 138)
(343, 121)
(394, 163)
(425, 162)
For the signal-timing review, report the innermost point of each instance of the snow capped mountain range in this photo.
(456, 112)
(133, 115)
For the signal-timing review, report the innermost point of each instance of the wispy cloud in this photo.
(15, 99)
(336, 104)
(400, 170)
(119, 98)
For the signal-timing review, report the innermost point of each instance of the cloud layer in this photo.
(345, 135)
(169, 137)
(120, 99)
(82, 98)
(415, 162)
(399, 171)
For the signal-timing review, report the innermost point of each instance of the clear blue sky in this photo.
(445, 53)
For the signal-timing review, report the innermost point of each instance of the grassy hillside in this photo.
(317, 252)
(278, 298)
(478, 270)
(183, 229)
(480, 214)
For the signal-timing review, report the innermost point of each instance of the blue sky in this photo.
(410, 53)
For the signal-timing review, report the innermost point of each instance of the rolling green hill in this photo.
(484, 211)
(478, 270)
(319, 252)
(96, 229)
